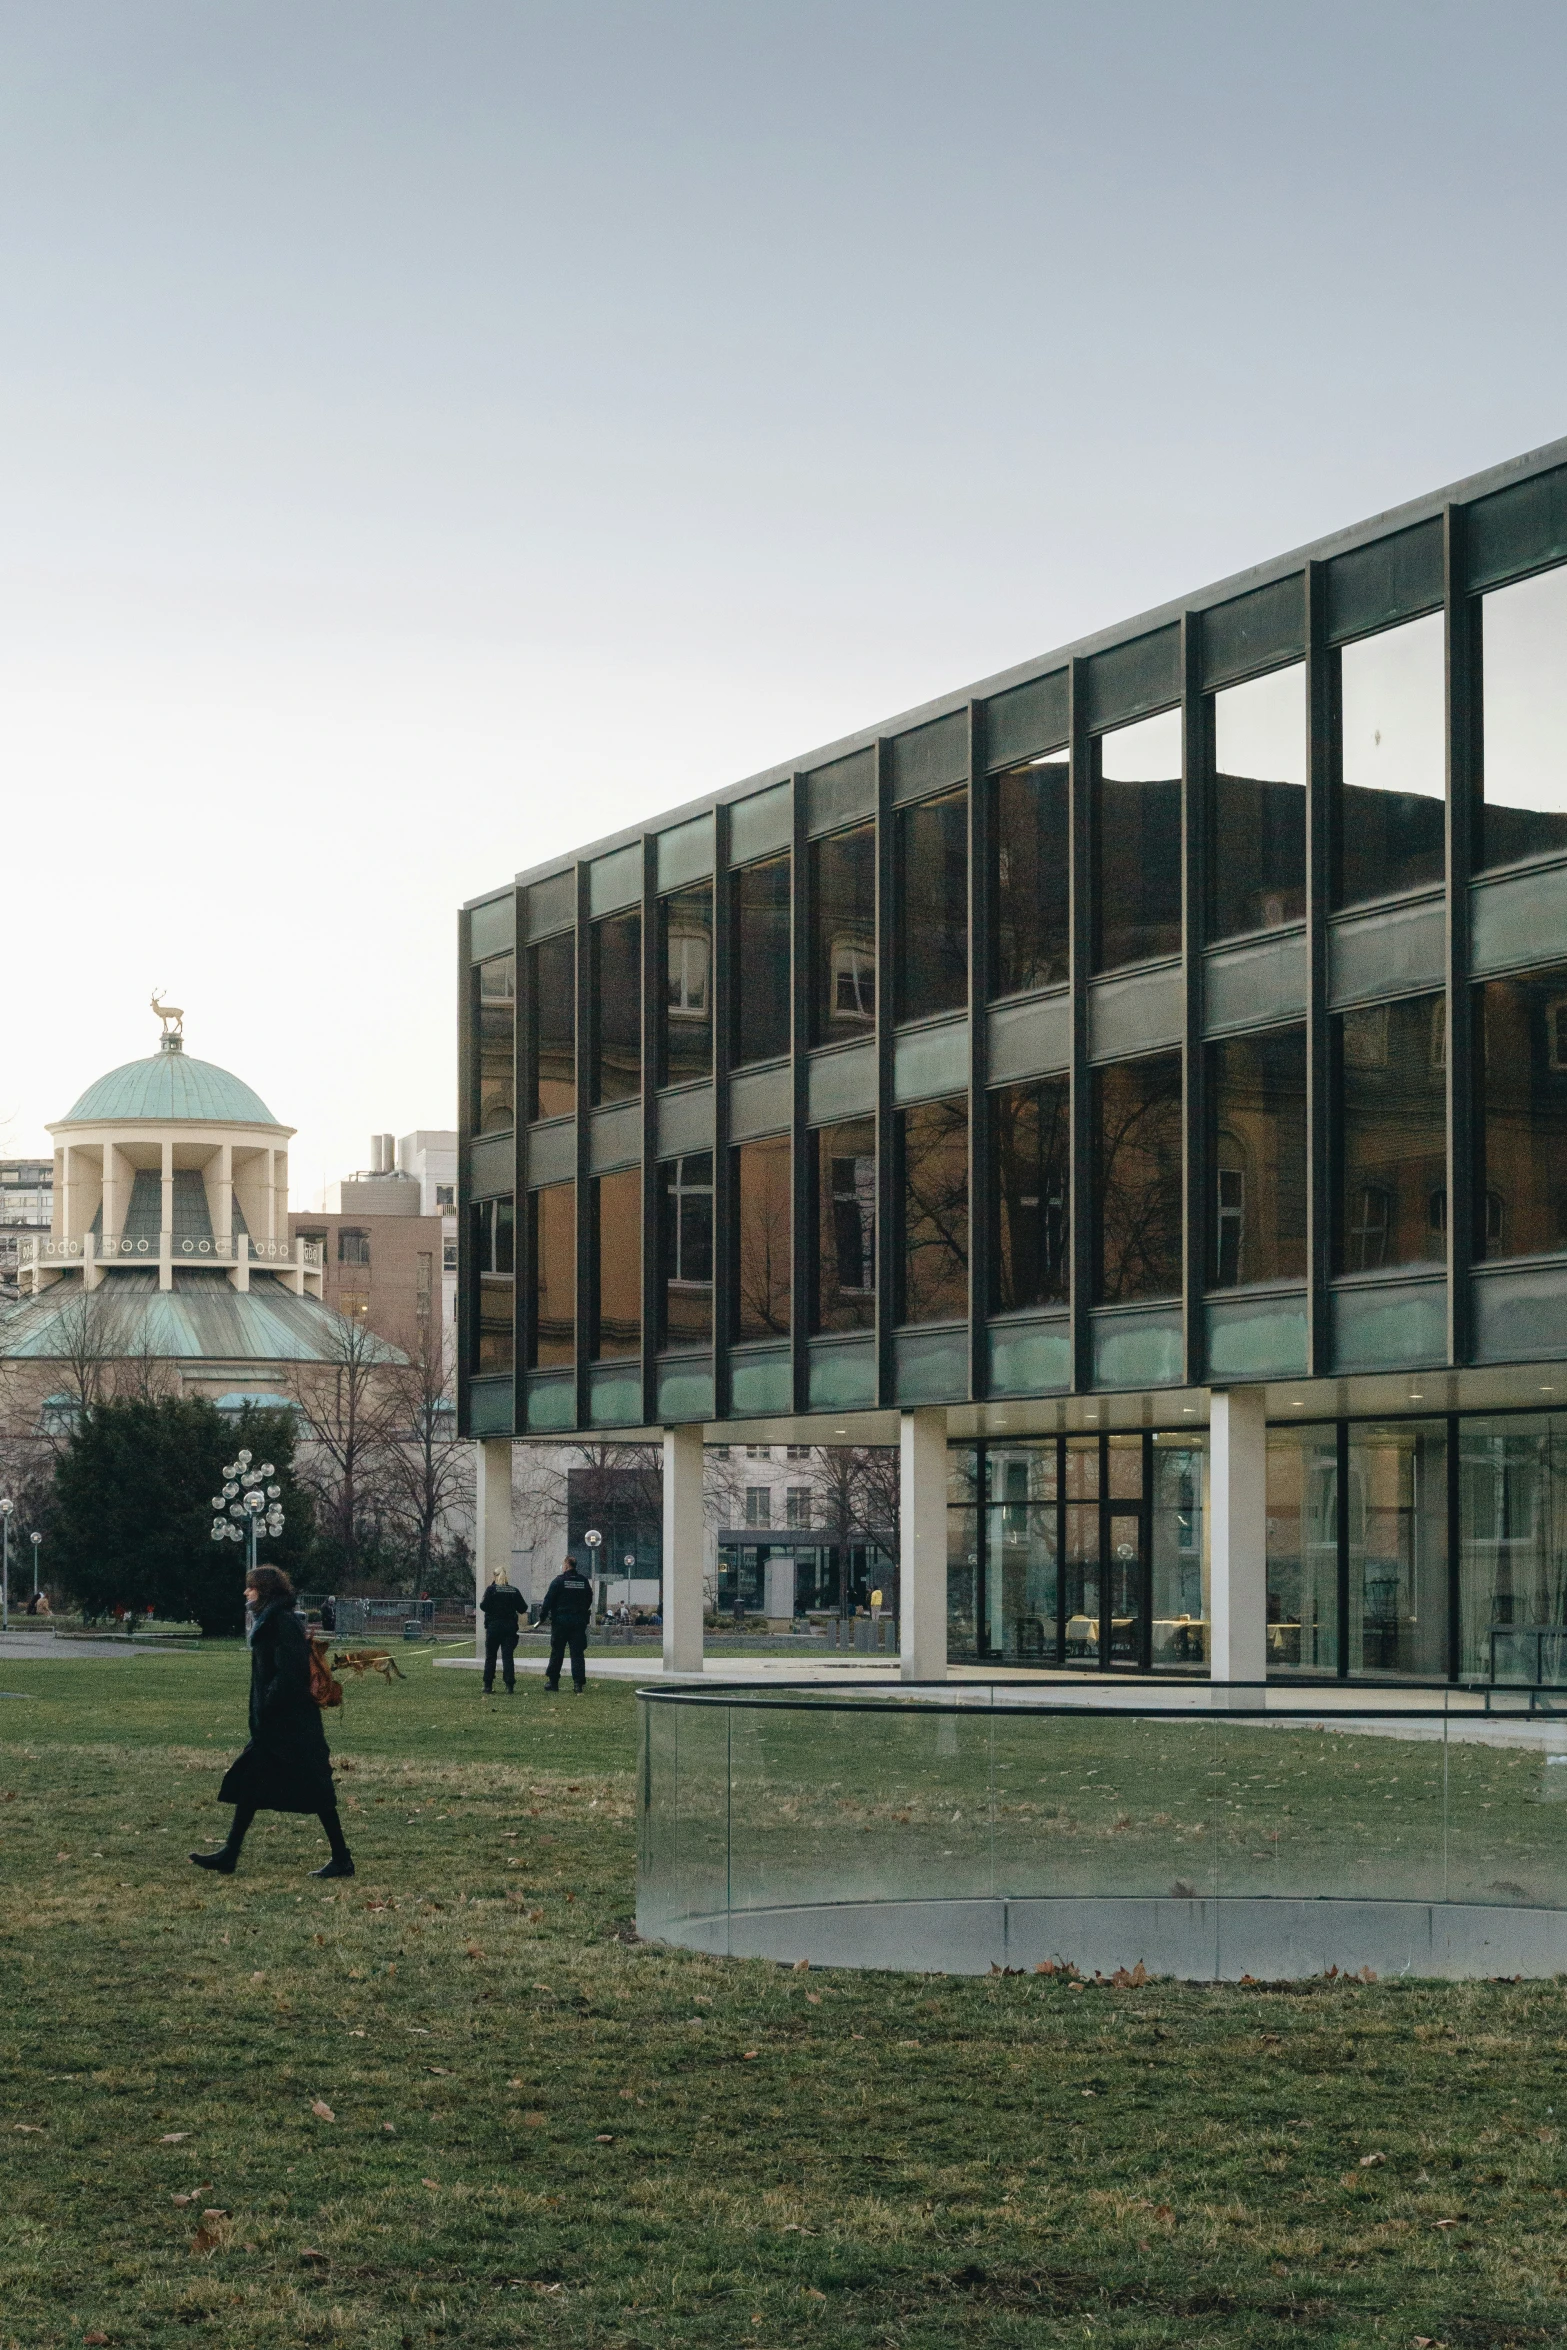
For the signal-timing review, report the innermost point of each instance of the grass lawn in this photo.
(454, 2100)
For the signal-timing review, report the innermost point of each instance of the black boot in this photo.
(225, 1862)
(341, 1863)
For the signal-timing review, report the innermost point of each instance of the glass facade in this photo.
(616, 944)
(685, 1040)
(1137, 1179)
(932, 852)
(1393, 1205)
(846, 1226)
(1257, 878)
(763, 1227)
(759, 911)
(1523, 666)
(495, 1036)
(933, 1147)
(1257, 1159)
(492, 1240)
(1392, 742)
(552, 998)
(617, 1255)
(553, 1210)
(1522, 1053)
(685, 1229)
(1136, 821)
(843, 936)
(1512, 1536)
(1033, 866)
(1031, 1156)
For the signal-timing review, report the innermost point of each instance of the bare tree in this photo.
(87, 1340)
(349, 1404)
(429, 1471)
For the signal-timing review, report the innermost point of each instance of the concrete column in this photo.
(241, 1272)
(492, 1523)
(166, 1215)
(223, 1205)
(65, 1204)
(112, 1213)
(922, 1546)
(683, 1539)
(1237, 1535)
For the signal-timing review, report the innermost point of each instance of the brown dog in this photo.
(368, 1660)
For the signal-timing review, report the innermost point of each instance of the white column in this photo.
(1238, 1534)
(682, 1596)
(166, 1222)
(492, 1523)
(111, 1194)
(223, 1221)
(922, 1546)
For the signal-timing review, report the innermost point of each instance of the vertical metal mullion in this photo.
(1454, 1599)
(981, 1549)
(587, 1052)
(466, 1084)
(802, 1168)
(889, 1236)
(1060, 1553)
(1104, 1550)
(1145, 1546)
(981, 1224)
(1321, 766)
(1196, 767)
(721, 998)
(1080, 1082)
(522, 1103)
(652, 994)
(1341, 1538)
(1464, 1196)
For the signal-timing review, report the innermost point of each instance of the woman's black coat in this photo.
(286, 1766)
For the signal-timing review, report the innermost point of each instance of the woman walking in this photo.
(286, 1766)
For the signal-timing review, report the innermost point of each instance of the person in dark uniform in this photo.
(567, 1609)
(286, 1766)
(502, 1608)
(329, 1613)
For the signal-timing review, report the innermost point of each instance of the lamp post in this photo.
(248, 1506)
(7, 1505)
(37, 1542)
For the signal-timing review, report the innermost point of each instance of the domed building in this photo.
(170, 1239)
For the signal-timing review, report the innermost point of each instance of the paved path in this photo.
(35, 1642)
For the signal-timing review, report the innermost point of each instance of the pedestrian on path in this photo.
(502, 1608)
(286, 1766)
(568, 1609)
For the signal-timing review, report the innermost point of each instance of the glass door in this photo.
(1126, 1588)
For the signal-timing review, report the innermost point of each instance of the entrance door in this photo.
(1126, 1589)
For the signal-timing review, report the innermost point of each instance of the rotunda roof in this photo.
(169, 1084)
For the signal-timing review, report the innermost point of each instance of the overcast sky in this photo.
(436, 434)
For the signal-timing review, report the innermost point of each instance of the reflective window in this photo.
(1031, 1150)
(617, 1212)
(554, 1238)
(1137, 842)
(1523, 635)
(846, 1226)
(1398, 1548)
(1257, 1159)
(843, 932)
(617, 1007)
(931, 955)
(1137, 1179)
(685, 1043)
(685, 1226)
(1257, 848)
(1523, 1056)
(1177, 1556)
(1021, 1531)
(933, 1147)
(1512, 1518)
(763, 1238)
(494, 1265)
(1033, 874)
(1393, 1203)
(495, 1033)
(353, 1245)
(1393, 761)
(1303, 1550)
(552, 989)
(759, 954)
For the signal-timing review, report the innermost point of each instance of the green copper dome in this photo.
(169, 1084)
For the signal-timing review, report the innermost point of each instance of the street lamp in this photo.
(37, 1542)
(7, 1505)
(248, 1506)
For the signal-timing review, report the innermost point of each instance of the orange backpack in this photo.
(325, 1688)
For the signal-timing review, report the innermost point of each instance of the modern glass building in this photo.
(1136, 1083)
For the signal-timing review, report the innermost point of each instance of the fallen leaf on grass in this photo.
(173, 2137)
(444, 2070)
(28, 2129)
(434, 2184)
(309, 2252)
(95, 2337)
(605, 2138)
(1162, 2211)
(322, 2111)
(750, 2052)
(517, 2083)
(472, 1949)
(533, 2121)
(1369, 2161)
(1444, 2223)
(814, 1997)
(802, 1966)
(390, 2128)
(812, 2294)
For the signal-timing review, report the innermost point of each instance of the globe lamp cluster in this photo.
(247, 1501)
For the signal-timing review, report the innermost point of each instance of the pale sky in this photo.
(437, 434)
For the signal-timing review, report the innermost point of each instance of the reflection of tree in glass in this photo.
(935, 1211)
(1138, 1179)
(1032, 1142)
(763, 1252)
